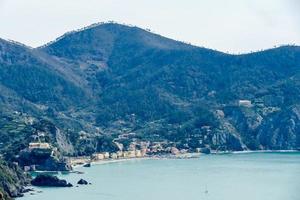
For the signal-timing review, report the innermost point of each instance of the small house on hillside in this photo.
(39, 145)
(245, 103)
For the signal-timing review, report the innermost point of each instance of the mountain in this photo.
(111, 83)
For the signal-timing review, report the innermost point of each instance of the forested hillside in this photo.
(95, 85)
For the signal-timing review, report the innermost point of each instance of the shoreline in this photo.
(158, 157)
(107, 161)
(151, 157)
(179, 156)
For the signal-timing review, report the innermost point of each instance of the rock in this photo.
(1, 196)
(42, 160)
(12, 180)
(12, 190)
(82, 182)
(50, 181)
(52, 164)
(87, 165)
(25, 190)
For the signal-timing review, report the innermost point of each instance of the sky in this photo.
(235, 26)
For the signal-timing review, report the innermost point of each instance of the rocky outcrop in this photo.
(63, 142)
(87, 165)
(52, 164)
(266, 127)
(12, 180)
(82, 182)
(43, 160)
(4, 195)
(49, 181)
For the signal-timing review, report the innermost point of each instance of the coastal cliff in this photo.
(12, 181)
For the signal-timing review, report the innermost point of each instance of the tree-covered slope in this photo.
(183, 88)
(34, 80)
(109, 80)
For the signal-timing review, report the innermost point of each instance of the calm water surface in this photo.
(251, 176)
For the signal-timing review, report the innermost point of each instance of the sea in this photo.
(233, 176)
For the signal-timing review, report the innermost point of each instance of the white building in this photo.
(245, 103)
(39, 145)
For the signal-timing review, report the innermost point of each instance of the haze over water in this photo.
(259, 176)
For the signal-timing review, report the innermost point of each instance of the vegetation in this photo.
(12, 180)
(111, 83)
(91, 86)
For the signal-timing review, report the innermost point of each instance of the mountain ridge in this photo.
(93, 25)
(111, 79)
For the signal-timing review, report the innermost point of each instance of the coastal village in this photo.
(54, 161)
(155, 151)
(147, 150)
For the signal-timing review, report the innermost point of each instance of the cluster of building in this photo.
(119, 155)
(155, 148)
(136, 149)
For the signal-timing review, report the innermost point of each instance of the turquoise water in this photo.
(253, 176)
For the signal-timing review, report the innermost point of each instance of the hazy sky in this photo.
(226, 25)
